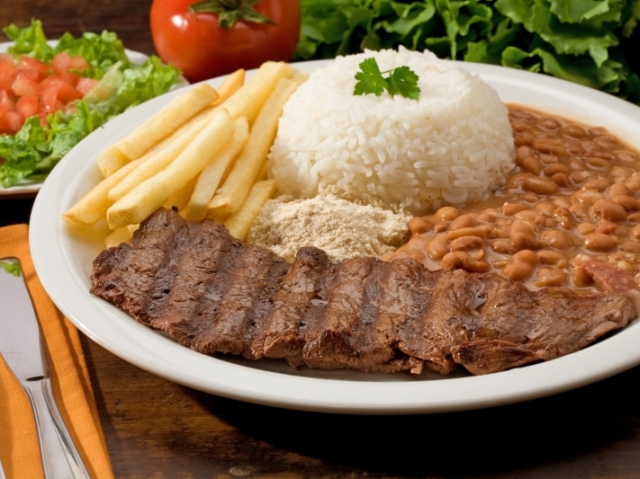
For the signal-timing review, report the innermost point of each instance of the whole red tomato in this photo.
(201, 48)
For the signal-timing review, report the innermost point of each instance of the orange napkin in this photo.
(19, 450)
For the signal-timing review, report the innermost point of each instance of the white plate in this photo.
(30, 188)
(63, 261)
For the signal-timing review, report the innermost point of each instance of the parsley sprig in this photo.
(400, 81)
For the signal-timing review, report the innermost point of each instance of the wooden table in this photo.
(158, 429)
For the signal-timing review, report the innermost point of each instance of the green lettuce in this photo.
(32, 153)
(585, 41)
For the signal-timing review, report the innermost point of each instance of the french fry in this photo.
(121, 235)
(215, 173)
(159, 126)
(162, 154)
(148, 196)
(249, 99)
(239, 223)
(263, 174)
(229, 198)
(111, 160)
(229, 86)
(181, 197)
(92, 207)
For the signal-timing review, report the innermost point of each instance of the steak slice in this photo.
(215, 294)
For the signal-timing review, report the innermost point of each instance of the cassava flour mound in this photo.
(341, 228)
(451, 146)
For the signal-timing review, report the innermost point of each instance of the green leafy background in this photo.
(590, 42)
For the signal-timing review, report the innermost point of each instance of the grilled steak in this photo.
(215, 294)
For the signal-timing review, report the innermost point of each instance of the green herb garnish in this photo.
(400, 81)
(11, 266)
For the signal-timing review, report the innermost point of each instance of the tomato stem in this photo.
(231, 11)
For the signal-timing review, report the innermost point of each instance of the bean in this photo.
(599, 184)
(526, 256)
(547, 207)
(631, 247)
(589, 146)
(548, 124)
(517, 271)
(556, 168)
(448, 213)
(519, 125)
(635, 232)
(618, 189)
(523, 139)
(529, 197)
(550, 256)
(540, 186)
(548, 277)
(521, 241)
(609, 210)
(606, 227)
(608, 142)
(625, 156)
(478, 267)
(483, 231)
(547, 159)
(550, 146)
(418, 225)
(599, 242)
(484, 218)
(527, 215)
(503, 247)
(578, 176)
(586, 228)
(629, 203)
(574, 149)
(438, 247)
(557, 239)
(580, 276)
(597, 164)
(604, 155)
(462, 221)
(532, 165)
(634, 217)
(510, 209)
(441, 226)
(456, 260)
(561, 179)
(633, 182)
(563, 201)
(580, 211)
(574, 132)
(523, 226)
(466, 243)
(515, 182)
(621, 171)
(523, 151)
(587, 197)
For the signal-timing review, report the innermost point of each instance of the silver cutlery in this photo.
(23, 350)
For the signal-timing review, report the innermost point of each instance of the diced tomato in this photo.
(8, 72)
(7, 103)
(41, 68)
(27, 106)
(11, 122)
(63, 63)
(24, 86)
(62, 90)
(85, 85)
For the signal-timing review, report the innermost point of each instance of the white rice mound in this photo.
(452, 146)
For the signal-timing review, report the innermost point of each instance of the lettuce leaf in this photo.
(35, 149)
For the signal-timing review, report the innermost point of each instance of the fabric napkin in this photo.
(19, 449)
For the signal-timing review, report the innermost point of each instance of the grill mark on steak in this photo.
(215, 294)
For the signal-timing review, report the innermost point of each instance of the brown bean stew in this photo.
(568, 215)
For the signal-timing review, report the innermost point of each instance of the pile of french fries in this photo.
(204, 153)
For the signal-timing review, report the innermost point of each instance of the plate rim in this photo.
(51, 260)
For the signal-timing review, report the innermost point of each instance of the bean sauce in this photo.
(568, 215)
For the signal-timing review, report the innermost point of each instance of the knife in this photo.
(23, 350)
